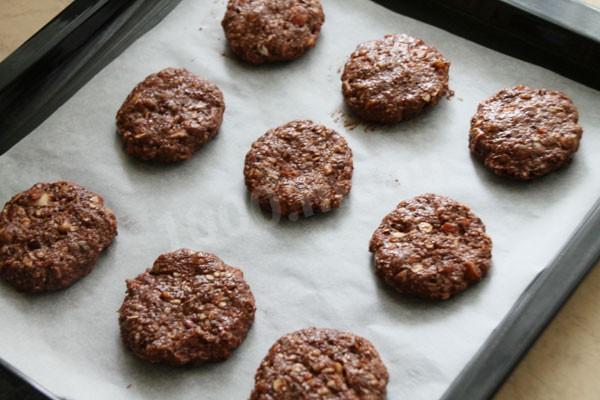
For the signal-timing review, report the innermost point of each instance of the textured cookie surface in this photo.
(394, 78)
(525, 133)
(188, 308)
(317, 363)
(300, 167)
(260, 31)
(432, 247)
(170, 115)
(51, 236)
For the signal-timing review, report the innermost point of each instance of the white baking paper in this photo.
(313, 272)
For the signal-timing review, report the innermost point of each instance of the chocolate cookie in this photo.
(432, 247)
(261, 31)
(300, 167)
(170, 115)
(525, 133)
(318, 363)
(51, 236)
(189, 308)
(394, 78)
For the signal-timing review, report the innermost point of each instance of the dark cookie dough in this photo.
(432, 247)
(51, 236)
(189, 308)
(318, 363)
(170, 115)
(525, 133)
(300, 167)
(393, 79)
(261, 31)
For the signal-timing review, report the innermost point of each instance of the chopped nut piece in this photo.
(65, 227)
(43, 200)
(299, 16)
(179, 134)
(472, 272)
(262, 49)
(278, 384)
(402, 275)
(450, 227)
(339, 368)
(417, 268)
(323, 391)
(425, 227)
(166, 296)
(297, 367)
(331, 384)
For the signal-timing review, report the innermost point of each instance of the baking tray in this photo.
(559, 35)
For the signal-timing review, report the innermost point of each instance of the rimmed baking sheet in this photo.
(310, 272)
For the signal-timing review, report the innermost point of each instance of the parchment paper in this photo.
(313, 272)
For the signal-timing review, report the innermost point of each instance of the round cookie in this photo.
(319, 363)
(431, 247)
(525, 133)
(170, 115)
(299, 168)
(188, 308)
(394, 78)
(263, 31)
(51, 236)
